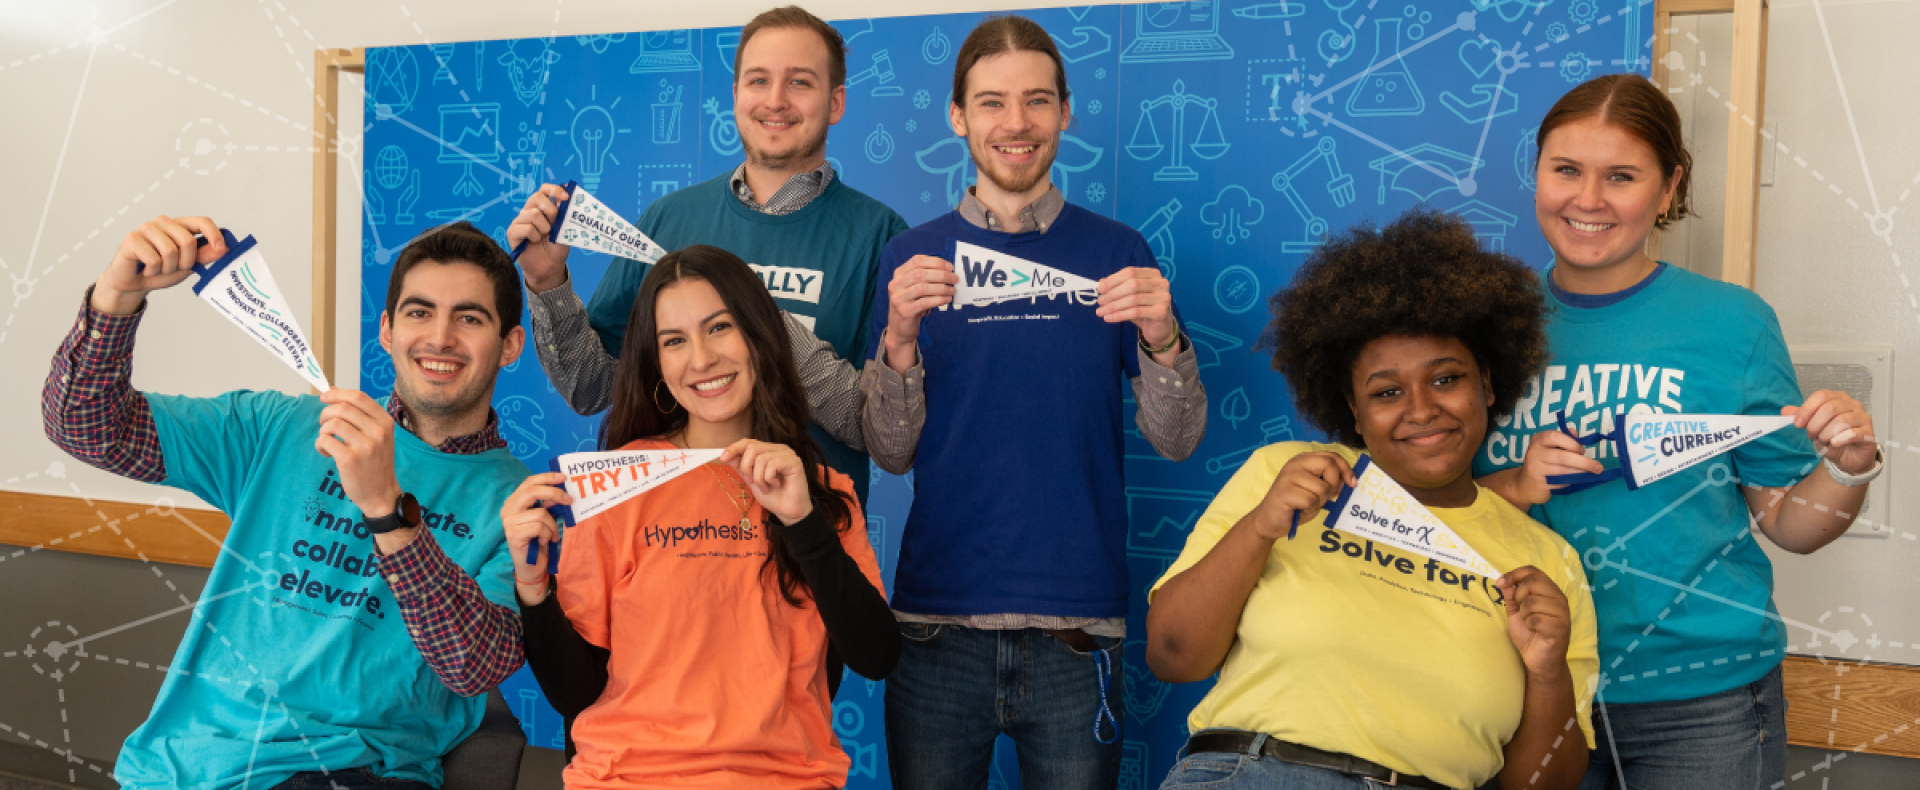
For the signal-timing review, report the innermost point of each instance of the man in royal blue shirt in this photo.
(1012, 582)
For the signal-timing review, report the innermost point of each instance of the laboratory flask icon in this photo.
(1388, 88)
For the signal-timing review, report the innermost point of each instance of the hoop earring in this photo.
(656, 398)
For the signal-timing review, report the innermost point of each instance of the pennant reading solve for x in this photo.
(990, 277)
(1652, 447)
(1376, 507)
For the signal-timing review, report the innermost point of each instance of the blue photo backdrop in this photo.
(1232, 133)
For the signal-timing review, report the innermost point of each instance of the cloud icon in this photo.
(1231, 212)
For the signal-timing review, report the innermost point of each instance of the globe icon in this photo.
(390, 166)
(393, 78)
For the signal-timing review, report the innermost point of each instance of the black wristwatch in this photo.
(406, 513)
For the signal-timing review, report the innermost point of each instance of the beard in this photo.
(800, 153)
(441, 404)
(1011, 181)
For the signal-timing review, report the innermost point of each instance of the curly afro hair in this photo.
(1424, 275)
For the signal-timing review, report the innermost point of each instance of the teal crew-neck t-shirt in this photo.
(819, 263)
(1683, 594)
(296, 657)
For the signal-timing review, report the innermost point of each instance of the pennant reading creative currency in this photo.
(1376, 507)
(990, 277)
(1653, 447)
(242, 289)
(587, 223)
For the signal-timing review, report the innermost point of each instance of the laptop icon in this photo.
(1176, 31)
(665, 50)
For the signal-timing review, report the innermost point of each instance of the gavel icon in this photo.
(882, 71)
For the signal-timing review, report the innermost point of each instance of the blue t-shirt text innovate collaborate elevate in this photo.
(1682, 344)
(297, 658)
(817, 262)
(1018, 503)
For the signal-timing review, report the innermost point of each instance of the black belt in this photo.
(1236, 742)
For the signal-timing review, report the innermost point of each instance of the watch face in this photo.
(410, 508)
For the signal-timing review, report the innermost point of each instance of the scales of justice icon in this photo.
(1208, 142)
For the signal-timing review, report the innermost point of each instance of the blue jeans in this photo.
(1733, 740)
(348, 779)
(956, 689)
(1222, 771)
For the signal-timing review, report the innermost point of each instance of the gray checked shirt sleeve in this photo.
(893, 409)
(579, 367)
(1173, 404)
(832, 384)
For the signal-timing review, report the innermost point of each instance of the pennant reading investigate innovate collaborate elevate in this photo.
(241, 288)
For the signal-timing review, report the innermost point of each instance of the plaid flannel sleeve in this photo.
(89, 406)
(472, 643)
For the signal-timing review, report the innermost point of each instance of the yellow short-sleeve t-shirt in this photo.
(1351, 647)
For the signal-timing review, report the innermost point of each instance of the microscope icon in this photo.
(1339, 187)
(1158, 230)
(882, 73)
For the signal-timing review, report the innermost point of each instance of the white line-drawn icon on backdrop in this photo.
(1424, 170)
(442, 55)
(1490, 224)
(667, 113)
(1388, 89)
(1088, 41)
(1524, 154)
(600, 42)
(1236, 289)
(525, 162)
(1236, 408)
(1158, 230)
(728, 44)
(591, 134)
(1232, 212)
(879, 144)
(469, 133)
(665, 50)
(397, 81)
(1209, 142)
(1177, 31)
(722, 134)
(1339, 187)
(390, 171)
(528, 73)
(936, 47)
(881, 72)
(1278, 429)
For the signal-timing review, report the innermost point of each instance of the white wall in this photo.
(99, 138)
(1832, 280)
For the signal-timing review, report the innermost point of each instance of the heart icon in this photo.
(1480, 55)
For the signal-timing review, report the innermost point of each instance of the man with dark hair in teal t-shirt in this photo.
(362, 602)
(813, 239)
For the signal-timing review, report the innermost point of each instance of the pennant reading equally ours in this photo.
(598, 481)
(1653, 447)
(241, 288)
(1377, 508)
(588, 224)
(991, 277)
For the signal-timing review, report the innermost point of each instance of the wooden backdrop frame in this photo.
(1746, 106)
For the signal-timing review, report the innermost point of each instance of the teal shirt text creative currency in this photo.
(1683, 344)
(297, 657)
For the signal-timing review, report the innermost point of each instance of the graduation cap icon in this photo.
(1426, 170)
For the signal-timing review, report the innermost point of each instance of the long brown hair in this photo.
(779, 403)
(1002, 34)
(1632, 103)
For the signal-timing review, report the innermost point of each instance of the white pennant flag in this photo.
(242, 289)
(588, 224)
(1378, 508)
(990, 277)
(1654, 446)
(599, 481)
